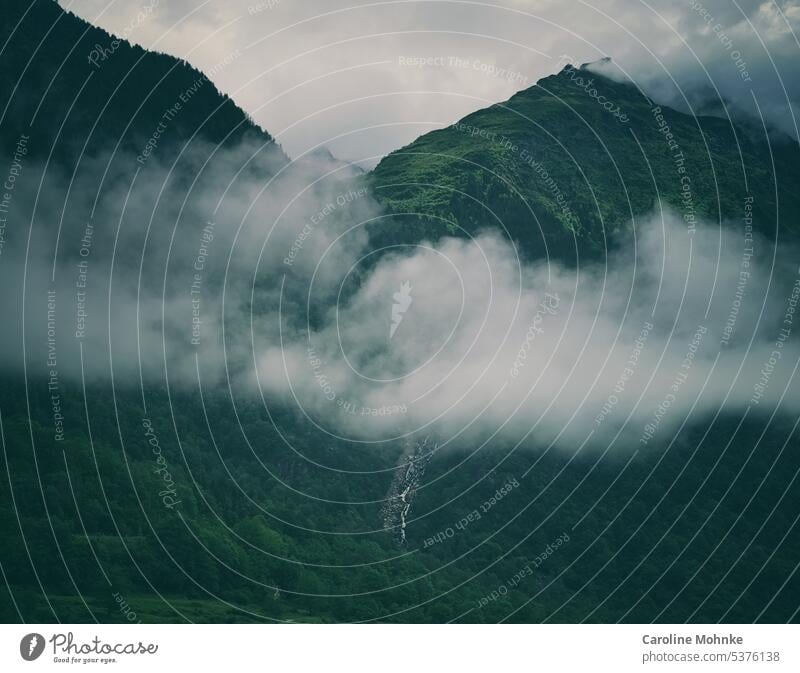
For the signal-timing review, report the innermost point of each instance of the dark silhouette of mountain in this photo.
(68, 84)
(98, 526)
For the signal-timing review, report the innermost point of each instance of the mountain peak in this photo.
(576, 158)
(605, 68)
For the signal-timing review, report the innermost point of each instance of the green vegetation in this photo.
(219, 556)
(247, 529)
(559, 173)
(80, 106)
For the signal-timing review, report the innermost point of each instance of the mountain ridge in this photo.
(89, 79)
(555, 143)
(308, 541)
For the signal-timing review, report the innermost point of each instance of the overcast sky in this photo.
(345, 73)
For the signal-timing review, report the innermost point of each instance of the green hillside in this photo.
(75, 88)
(556, 169)
(277, 520)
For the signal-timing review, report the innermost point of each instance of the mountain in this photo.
(74, 88)
(129, 498)
(567, 164)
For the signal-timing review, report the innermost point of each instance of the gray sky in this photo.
(347, 73)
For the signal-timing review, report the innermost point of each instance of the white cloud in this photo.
(330, 73)
(491, 345)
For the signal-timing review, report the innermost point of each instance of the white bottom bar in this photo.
(402, 648)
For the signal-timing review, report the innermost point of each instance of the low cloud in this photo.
(261, 274)
(160, 274)
(491, 348)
